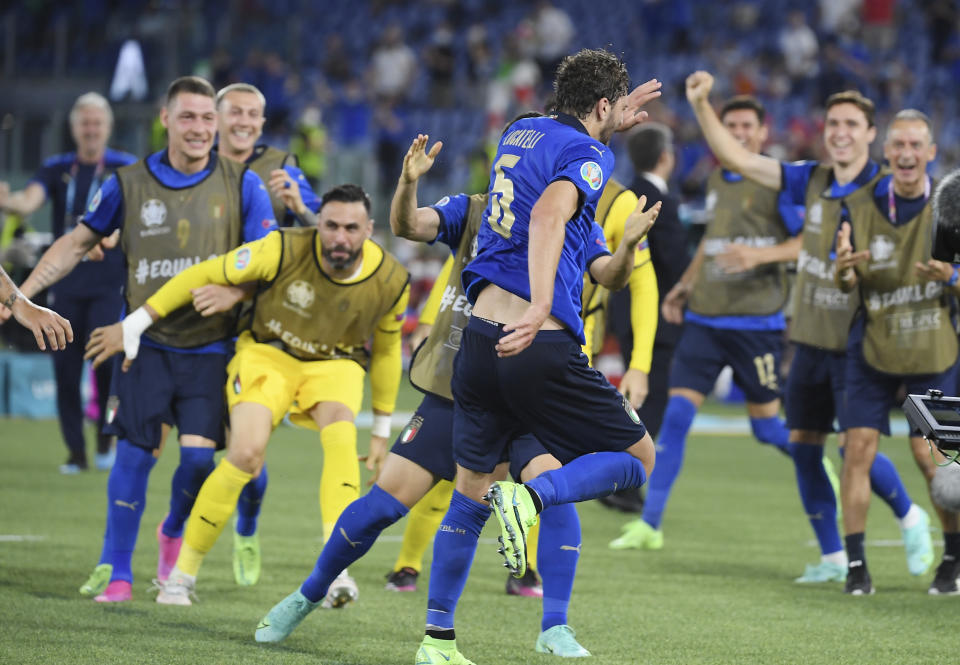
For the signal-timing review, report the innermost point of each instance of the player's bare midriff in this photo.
(497, 304)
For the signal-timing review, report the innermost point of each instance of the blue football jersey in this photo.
(533, 153)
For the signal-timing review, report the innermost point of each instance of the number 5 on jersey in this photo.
(501, 196)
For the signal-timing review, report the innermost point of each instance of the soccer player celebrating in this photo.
(613, 210)
(520, 369)
(91, 297)
(321, 294)
(38, 320)
(815, 392)
(423, 453)
(737, 287)
(903, 332)
(240, 116)
(172, 209)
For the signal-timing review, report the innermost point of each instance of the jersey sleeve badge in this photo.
(592, 174)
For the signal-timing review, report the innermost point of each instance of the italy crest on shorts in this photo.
(628, 407)
(410, 431)
(236, 385)
(593, 174)
(112, 403)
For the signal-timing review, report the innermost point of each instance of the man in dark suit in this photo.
(651, 151)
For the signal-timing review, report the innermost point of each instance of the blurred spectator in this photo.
(440, 61)
(879, 32)
(553, 32)
(393, 66)
(336, 62)
(352, 126)
(273, 85)
(836, 13)
(799, 46)
(942, 18)
(309, 144)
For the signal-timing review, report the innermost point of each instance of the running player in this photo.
(322, 293)
(520, 369)
(422, 454)
(903, 332)
(615, 205)
(737, 287)
(172, 208)
(815, 392)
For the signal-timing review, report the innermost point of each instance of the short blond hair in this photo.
(91, 100)
(241, 87)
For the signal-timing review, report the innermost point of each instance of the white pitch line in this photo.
(20, 538)
(876, 543)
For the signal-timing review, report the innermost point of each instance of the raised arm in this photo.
(406, 219)
(60, 258)
(27, 200)
(759, 168)
(613, 272)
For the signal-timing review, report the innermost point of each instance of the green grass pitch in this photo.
(721, 590)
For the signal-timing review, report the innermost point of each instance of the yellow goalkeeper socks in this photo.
(340, 479)
(422, 522)
(215, 503)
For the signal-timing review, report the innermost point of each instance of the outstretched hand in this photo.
(640, 222)
(42, 321)
(417, 161)
(641, 95)
(375, 458)
(104, 343)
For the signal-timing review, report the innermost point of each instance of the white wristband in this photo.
(133, 326)
(381, 426)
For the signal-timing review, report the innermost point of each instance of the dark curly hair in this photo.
(585, 78)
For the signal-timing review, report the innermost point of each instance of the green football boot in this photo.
(98, 580)
(638, 535)
(440, 652)
(513, 506)
(825, 571)
(246, 559)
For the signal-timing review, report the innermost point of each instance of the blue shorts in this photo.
(753, 355)
(164, 387)
(871, 393)
(548, 390)
(427, 441)
(815, 390)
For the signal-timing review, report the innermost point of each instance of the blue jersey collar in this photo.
(571, 121)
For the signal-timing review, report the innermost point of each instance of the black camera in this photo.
(937, 418)
(946, 220)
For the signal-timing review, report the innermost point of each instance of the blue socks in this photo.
(195, 465)
(126, 499)
(677, 420)
(886, 484)
(772, 431)
(248, 507)
(559, 551)
(354, 533)
(588, 477)
(453, 550)
(816, 495)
